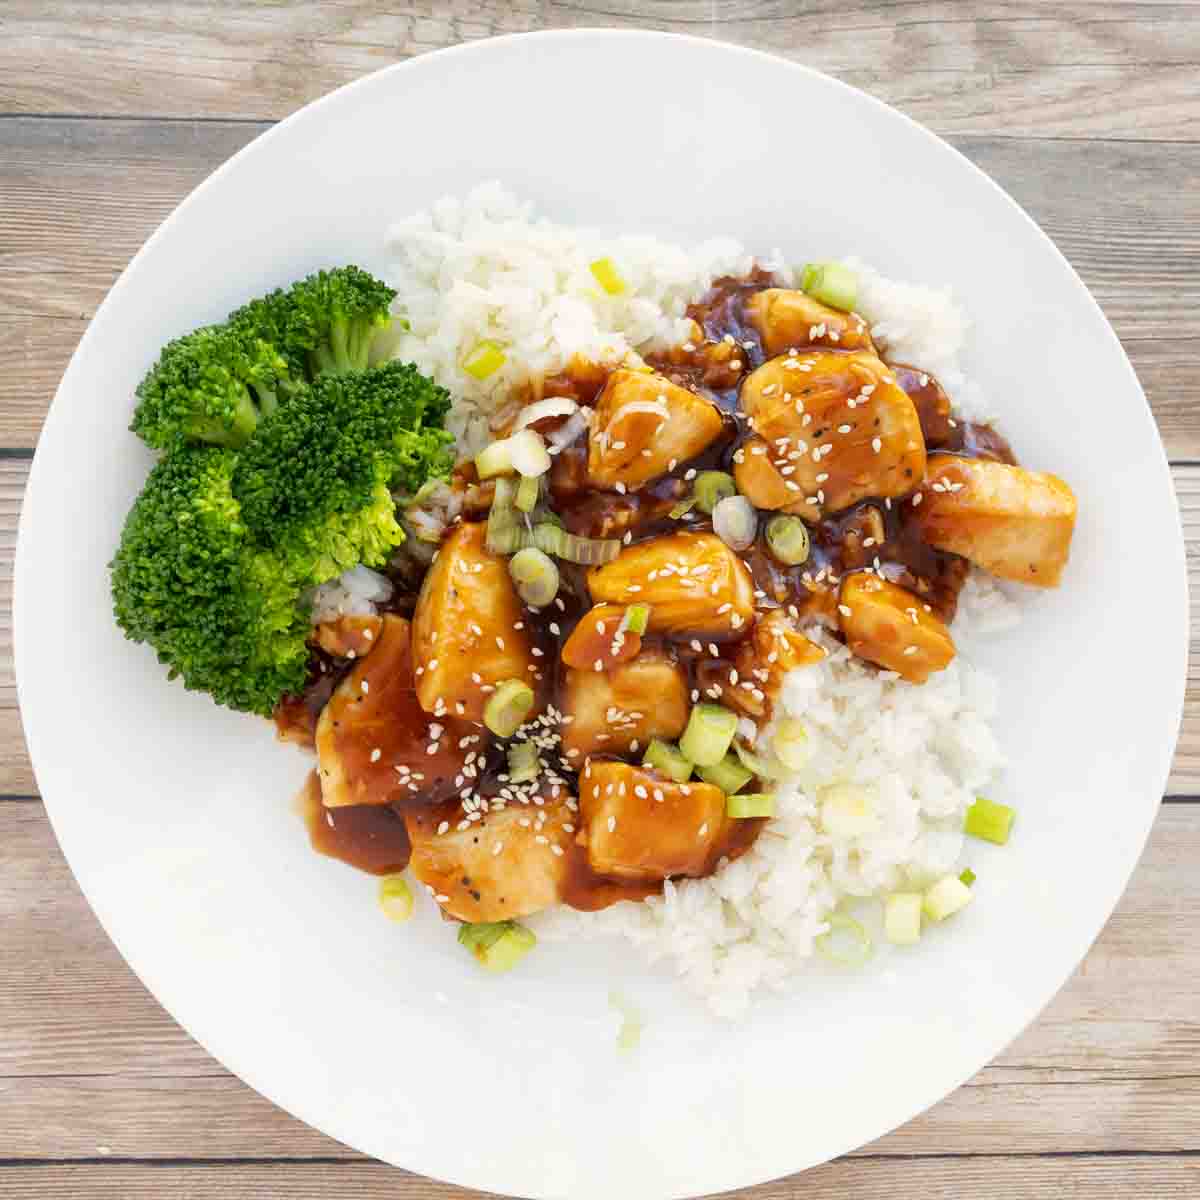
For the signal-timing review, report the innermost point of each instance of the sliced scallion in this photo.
(831, 283)
(605, 272)
(498, 945)
(485, 359)
(665, 757)
(535, 576)
(395, 897)
(763, 767)
(791, 744)
(711, 487)
(523, 762)
(528, 490)
(709, 731)
(507, 707)
(902, 918)
(848, 944)
(946, 897)
(637, 617)
(587, 552)
(495, 459)
(528, 454)
(729, 775)
(735, 522)
(505, 531)
(787, 539)
(750, 804)
(848, 810)
(968, 876)
(990, 821)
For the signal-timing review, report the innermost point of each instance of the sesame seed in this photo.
(444, 827)
(703, 829)
(845, 610)
(877, 444)
(499, 642)
(910, 650)
(558, 850)
(366, 687)
(917, 499)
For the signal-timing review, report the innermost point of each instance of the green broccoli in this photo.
(213, 385)
(221, 547)
(323, 324)
(187, 578)
(316, 479)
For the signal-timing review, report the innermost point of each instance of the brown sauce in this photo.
(871, 533)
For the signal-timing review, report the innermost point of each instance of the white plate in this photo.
(176, 817)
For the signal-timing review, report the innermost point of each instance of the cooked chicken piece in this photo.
(1012, 522)
(640, 411)
(759, 479)
(374, 742)
(349, 637)
(837, 426)
(774, 648)
(638, 824)
(887, 625)
(598, 642)
(631, 703)
(788, 320)
(465, 639)
(694, 584)
(481, 883)
(933, 406)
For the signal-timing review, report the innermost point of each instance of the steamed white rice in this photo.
(483, 268)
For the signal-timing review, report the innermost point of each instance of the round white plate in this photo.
(176, 816)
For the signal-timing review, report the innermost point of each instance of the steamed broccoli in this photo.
(316, 479)
(220, 611)
(221, 547)
(213, 385)
(323, 324)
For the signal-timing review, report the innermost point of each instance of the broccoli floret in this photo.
(220, 611)
(323, 324)
(213, 385)
(315, 480)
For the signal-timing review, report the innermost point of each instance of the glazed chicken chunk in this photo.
(643, 425)
(375, 743)
(638, 824)
(789, 320)
(349, 637)
(465, 635)
(774, 648)
(889, 626)
(694, 584)
(836, 427)
(613, 710)
(482, 883)
(1012, 522)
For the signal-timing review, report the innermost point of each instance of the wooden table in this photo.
(1088, 113)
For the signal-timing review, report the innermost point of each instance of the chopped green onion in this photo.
(711, 487)
(832, 284)
(528, 490)
(990, 821)
(587, 552)
(528, 454)
(709, 731)
(498, 945)
(787, 539)
(631, 1022)
(607, 276)
(735, 522)
(495, 459)
(750, 804)
(764, 768)
(505, 532)
(729, 774)
(636, 618)
(852, 951)
(523, 762)
(395, 897)
(968, 877)
(535, 576)
(902, 918)
(790, 744)
(665, 757)
(848, 811)
(507, 707)
(486, 359)
(946, 897)
(683, 508)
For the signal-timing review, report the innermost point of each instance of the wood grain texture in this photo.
(1069, 70)
(79, 197)
(1106, 1069)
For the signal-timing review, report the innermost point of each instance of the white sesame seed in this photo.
(366, 687)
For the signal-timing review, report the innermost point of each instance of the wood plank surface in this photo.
(1068, 70)
(1088, 113)
(79, 197)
